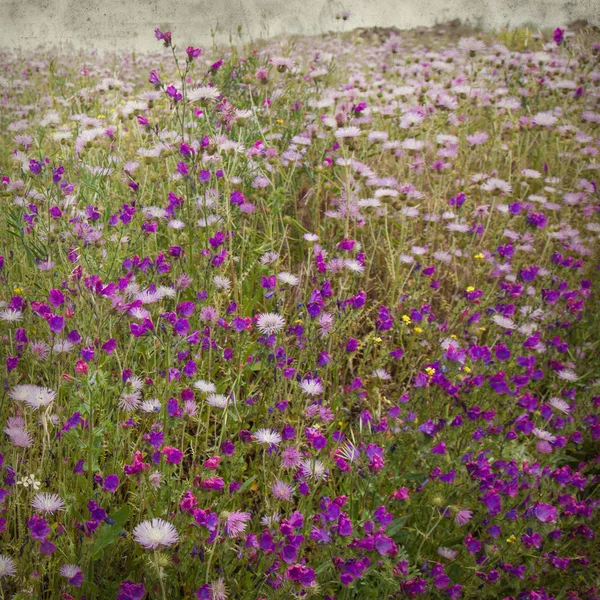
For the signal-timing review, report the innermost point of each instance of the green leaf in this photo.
(109, 533)
(247, 483)
(395, 526)
(90, 587)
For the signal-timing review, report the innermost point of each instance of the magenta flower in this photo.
(300, 574)
(154, 79)
(173, 455)
(163, 37)
(439, 449)
(558, 36)
(109, 346)
(193, 52)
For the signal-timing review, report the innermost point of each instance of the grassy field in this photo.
(314, 318)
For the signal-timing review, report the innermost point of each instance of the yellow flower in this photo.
(511, 540)
(279, 121)
(478, 256)
(406, 319)
(101, 116)
(430, 371)
(377, 340)
(18, 291)
(299, 321)
(482, 329)
(418, 330)
(467, 369)
(470, 289)
(453, 337)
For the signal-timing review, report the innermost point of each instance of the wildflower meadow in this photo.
(313, 317)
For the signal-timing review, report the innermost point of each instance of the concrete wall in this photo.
(128, 24)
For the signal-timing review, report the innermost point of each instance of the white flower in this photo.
(269, 323)
(381, 374)
(10, 315)
(560, 404)
(70, 571)
(267, 436)
(312, 387)
(205, 387)
(348, 452)
(33, 395)
(203, 93)
(48, 503)
(28, 481)
(166, 291)
(218, 590)
(313, 469)
(270, 520)
(8, 566)
(217, 400)
(446, 552)
(155, 479)
(504, 322)
(471, 44)
(151, 406)
(544, 119)
(347, 132)
(353, 265)
(130, 402)
(567, 375)
(155, 533)
(288, 278)
(62, 346)
(222, 283)
(268, 257)
(543, 435)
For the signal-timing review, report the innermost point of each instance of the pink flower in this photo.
(236, 523)
(463, 517)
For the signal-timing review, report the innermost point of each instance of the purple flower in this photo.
(181, 327)
(109, 346)
(193, 52)
(546, 513)
(300, 574)
(439, 449)
(351, 345)
(163, 36)
(492, 501)
(131, 591)
(57, 323)
(154, 79)
(111, 482)
(38, 528)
